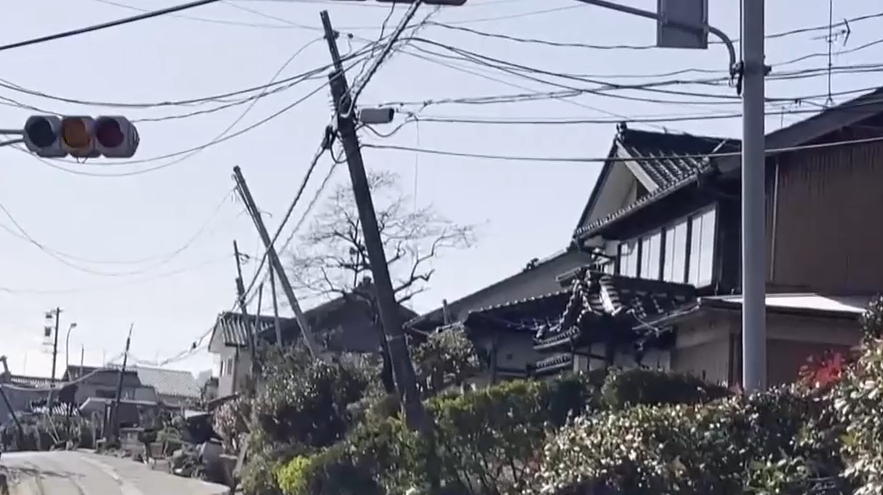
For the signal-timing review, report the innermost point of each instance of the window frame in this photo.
(686, 221)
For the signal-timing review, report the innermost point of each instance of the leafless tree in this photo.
(330, 259)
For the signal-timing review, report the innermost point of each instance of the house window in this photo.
(628, 259)
(674, 267)
(651, 250)
(702, 237)
(230, 366)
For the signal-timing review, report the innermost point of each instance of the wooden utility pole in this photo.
(114, 427)
(390, 317)
(276, 264)
(276, 324)
(240, 286)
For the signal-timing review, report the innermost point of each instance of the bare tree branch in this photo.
(330, 259)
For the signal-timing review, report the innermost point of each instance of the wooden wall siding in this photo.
(730, 235)
(828, 229)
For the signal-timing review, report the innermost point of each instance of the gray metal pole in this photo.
(753, 227)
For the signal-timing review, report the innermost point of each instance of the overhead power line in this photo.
(67, 259)
(561, 44)
(106, 25)
(550, 159)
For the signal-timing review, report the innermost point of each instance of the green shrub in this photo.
(858, 401)
(767, 443)
(306, 402)
(371, 461)
(656, 387)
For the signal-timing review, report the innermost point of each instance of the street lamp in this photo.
(67, 345)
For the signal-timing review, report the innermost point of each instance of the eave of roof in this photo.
(438, 313)
(825, 122)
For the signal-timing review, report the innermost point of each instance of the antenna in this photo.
(830, 40)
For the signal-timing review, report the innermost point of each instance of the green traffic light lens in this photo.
(41, 133)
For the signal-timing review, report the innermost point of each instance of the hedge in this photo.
(768, 443)
(485, 441)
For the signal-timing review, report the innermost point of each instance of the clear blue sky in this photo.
(529, 207)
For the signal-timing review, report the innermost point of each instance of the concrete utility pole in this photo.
(390, 317)
(275, 264)
(753, 177)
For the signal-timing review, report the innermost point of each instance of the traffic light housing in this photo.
(50, 136)
(453, 3)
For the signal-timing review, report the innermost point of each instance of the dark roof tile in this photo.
(633, 301)
(670, 158)
(672, 161)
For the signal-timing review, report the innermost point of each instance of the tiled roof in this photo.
(673, 161)
(30, 381)
(600, 296)
(173, 383)
(235, 328)
(522, 314)
(670, 158)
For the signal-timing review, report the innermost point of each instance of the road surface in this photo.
(83, 473)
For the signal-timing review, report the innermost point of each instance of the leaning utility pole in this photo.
(390, 317)
(114, 427)
(275, 264)
(276, 325)
(240, 286)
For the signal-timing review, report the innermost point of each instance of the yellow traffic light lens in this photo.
(75, 133)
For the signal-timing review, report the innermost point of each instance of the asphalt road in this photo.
(83, 473)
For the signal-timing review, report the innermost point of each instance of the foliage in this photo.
(766, 443)
(444, 359)
(483, 442)
(657, 387)
(230, 421)
(304, 403)
(824, 371)
(859, 400)
(301, 407)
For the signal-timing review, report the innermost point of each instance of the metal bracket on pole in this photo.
(680, 24)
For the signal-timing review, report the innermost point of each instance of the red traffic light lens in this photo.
(40, 132)
(75, 133)
(109, 133)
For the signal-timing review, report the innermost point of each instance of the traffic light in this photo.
(453, 3)
(50, 136)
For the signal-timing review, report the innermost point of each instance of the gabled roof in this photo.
(797, 134)
(173, 383)
(825, 122)
(668, 159)
(558, 262)
(659, 160)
